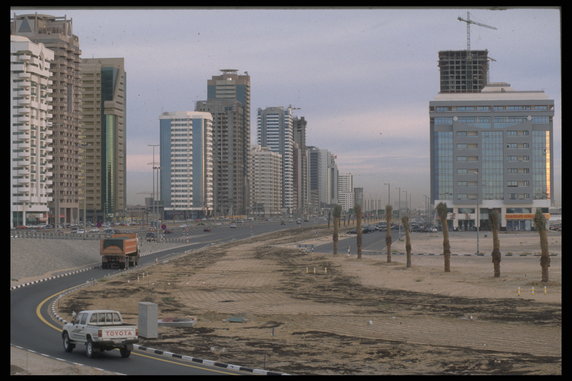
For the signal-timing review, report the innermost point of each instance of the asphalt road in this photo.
(372, 243)
(32, 328)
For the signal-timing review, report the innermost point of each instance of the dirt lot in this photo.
(316, 313)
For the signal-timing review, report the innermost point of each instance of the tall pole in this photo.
(477, 210)
(388, 193)
(153, 169)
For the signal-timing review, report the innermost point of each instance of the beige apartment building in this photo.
(56, 34)
(266, 182)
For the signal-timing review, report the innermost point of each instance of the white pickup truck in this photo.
(99, 329)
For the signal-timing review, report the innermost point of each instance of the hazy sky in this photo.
(362, 77)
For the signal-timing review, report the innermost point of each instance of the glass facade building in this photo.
(105, 137)
(492, 150)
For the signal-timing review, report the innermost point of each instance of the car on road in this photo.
(232, 226)
(150, 236)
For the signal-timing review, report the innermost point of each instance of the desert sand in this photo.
(303, 312)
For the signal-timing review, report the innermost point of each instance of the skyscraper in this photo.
(228, 100)
(322, 178)
(275, 132)
(492, 150)
(105, 137)
(266, 181)
(300, 164)
(57, 35)
(30, 131)
(186, 160)
(346, 197)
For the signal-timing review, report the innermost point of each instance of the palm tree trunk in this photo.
(405, 221)
(335, 238)
(540, 224)
(442, 212)
(358, 230)
(388, 216)
(496, 254)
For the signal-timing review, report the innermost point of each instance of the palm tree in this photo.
(336, 213)
(357, 211)
(442, 213)
(540, 224)
(405, 221)
(388, 215)
(496, 254)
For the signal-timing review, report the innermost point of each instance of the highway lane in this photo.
(372, 243)
(32, 328)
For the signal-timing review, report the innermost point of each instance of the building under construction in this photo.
(463, 71)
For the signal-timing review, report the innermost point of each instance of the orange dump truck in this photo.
(119, 251)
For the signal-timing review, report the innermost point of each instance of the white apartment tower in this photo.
(56, 33)
(275, 131)
(30, 131)
(186, 160)
(346, 191)
(266, 181)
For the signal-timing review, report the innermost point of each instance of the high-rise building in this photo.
(492, 150)
(57, 35)
(463, 71)
(105, 138)
(228, 100)
(322, 178)
(186, 160)
(275, 132)
(300, 164)
(346, 197)
(30, 131)
(266, 181)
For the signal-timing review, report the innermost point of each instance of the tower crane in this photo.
(469, 22)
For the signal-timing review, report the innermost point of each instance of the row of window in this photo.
(490, 122)
(493, 108)
(509, 158)
(510, 183)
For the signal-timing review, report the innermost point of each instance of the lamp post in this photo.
(388, 193)
(153, 169)
(84, 146)
(477, 221)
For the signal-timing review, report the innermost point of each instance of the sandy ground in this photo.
(316, 313)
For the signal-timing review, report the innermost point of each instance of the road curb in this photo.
(208, 362)
(90, 267)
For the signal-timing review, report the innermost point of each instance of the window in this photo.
(517, 145)
(467, 146)
(443, 121)
(467, 133)
(467, 158)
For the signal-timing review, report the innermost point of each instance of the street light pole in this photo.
(153, 169)
(477, 221)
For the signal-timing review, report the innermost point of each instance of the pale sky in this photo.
(362, 77)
